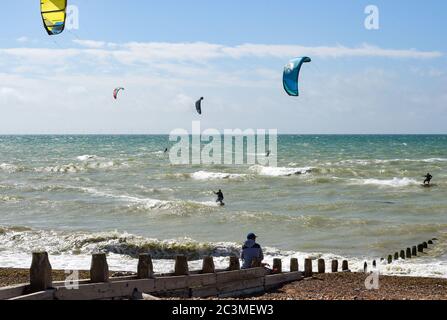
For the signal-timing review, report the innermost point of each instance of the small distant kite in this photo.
(292, 74)
(116, 91)
(53, 15)
(199, 106)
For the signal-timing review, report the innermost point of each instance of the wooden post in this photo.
(99, 269)
(414, 251)
(390, 259)
(208, 265)
(334, 266)
(396, 256)
(321, 266)
(430, 242)
(421, 248)
(277, 266)
(402, 254)
(41, 277)
(145, 267)
(365, 267)
(181, 266)
(375, 264)
(234, 264)
(345, 266)
(425, 244)
(409, 255)
(294, 267)
(308, 273)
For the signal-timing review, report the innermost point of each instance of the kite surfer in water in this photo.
(428, 179)
(220, 197)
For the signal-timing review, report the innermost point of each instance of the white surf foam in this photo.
(87, 157)
(205, 175)
(9, 168)
(395, 182)
(279, 171)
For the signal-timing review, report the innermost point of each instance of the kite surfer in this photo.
(428, 179)
(220, 197)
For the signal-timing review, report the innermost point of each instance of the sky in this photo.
(167, 54)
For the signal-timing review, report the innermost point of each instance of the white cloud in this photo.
(70, 90)
(22, 39)
(147, 53)
(90, 43)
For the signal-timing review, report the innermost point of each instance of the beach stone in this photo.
(41, 277)
(181, 266)
(99, 269)
(145, 267)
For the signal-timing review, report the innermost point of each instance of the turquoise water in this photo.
(356, 196)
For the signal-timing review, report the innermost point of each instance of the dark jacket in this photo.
(250, 251)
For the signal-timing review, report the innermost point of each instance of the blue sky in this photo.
(168, 53)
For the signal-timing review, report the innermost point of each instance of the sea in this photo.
(354, 197)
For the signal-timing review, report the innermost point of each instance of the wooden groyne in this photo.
(406, 253)
(208, 282)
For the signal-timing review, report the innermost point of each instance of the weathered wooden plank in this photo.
(204, 292)
(170, 283)
(13, 291)
(279, 279)
(240, 285)
(242, 293)
(106, 290)
(240, 275)
(39, 296)
(203, 280)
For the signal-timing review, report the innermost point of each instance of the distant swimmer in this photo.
(428, 179)
(220, 197)
(166, 150)
(268, 153)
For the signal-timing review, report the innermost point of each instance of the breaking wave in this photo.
(395, 182)
(279, 172)
(204, 175)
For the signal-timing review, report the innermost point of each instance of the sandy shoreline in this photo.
(340, 286)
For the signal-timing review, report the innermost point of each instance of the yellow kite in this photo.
(53, 15)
